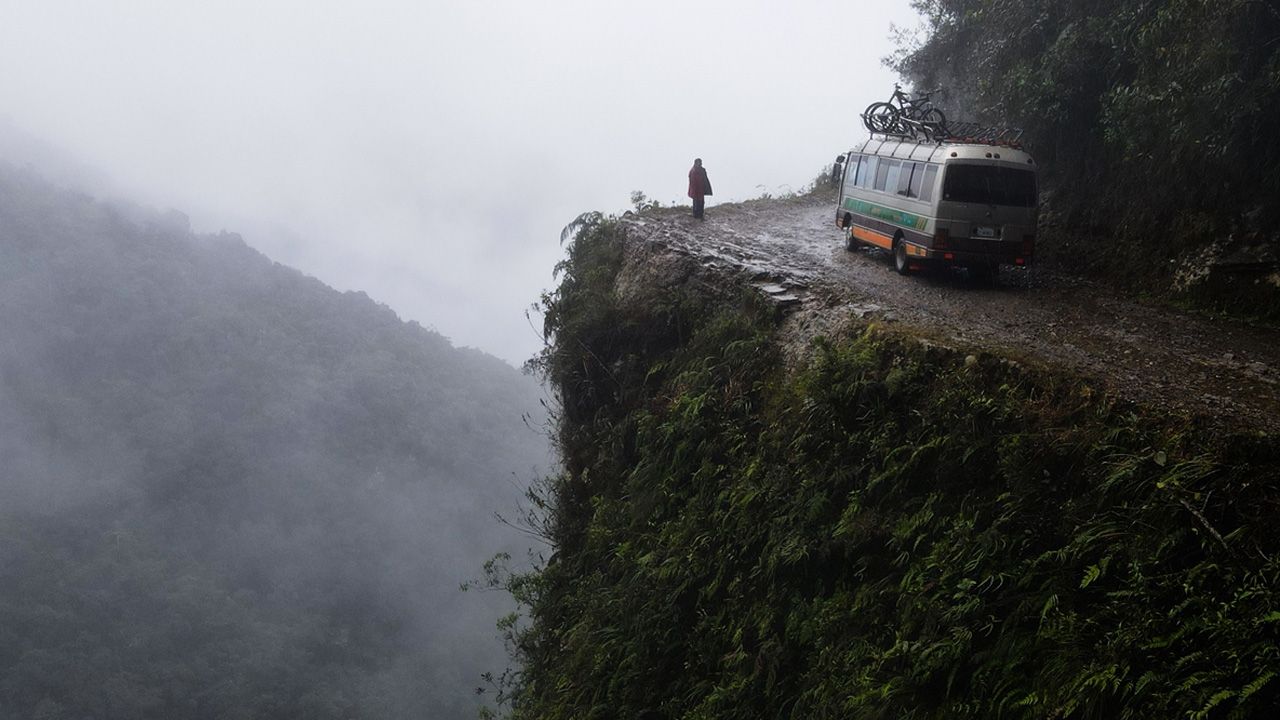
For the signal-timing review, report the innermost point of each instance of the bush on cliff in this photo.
(892, 530)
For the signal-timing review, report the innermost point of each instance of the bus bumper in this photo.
(964, 258)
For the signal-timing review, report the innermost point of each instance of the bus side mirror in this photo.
(839, 159)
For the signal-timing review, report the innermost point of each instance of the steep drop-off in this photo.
(877, 527)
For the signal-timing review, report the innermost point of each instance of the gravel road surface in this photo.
(1221, 370)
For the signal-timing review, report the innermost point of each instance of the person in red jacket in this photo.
(699, 187)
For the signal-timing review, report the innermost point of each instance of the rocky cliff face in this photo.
(772, 512)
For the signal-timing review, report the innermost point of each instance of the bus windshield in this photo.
(990, 185)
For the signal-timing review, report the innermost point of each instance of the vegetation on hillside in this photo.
(229, 491)
(1157, 124)
(891, 530)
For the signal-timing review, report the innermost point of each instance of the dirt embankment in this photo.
(1157, 357)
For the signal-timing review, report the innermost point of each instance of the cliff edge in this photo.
(785, 504)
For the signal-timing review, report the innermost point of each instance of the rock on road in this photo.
(1152, 355)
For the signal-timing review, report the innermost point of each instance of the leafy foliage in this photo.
(888, 531)
(1157, 122)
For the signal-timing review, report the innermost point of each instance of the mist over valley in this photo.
(229, 490)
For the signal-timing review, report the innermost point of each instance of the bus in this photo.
(957, 204)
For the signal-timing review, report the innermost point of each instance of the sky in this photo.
(429, 153)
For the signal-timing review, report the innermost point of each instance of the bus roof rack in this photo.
(961, 132)
(969, 132)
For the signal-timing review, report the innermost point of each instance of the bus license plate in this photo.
(985, 232)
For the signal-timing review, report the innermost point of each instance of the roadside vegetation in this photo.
(891, 529)
(1156, 125)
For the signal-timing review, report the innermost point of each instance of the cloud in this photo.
(429, 152)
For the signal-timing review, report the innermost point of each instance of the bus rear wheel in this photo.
(900, 262)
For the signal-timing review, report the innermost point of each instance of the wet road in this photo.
(1153, 355)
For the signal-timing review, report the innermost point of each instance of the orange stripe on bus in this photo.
(873, 237)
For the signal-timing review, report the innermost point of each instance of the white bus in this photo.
(961, 204)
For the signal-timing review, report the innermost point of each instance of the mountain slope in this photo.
(229, 489)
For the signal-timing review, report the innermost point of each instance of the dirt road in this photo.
(1158, 357)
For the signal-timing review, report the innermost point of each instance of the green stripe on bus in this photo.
(880, 212)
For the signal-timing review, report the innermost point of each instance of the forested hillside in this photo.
(227, 490)
(1156, 125)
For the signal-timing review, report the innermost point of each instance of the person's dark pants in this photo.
(698, 204)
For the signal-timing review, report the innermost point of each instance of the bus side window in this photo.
(930, 179)
(904, 179)
(887, 169)
(851, 171)
(869, 169)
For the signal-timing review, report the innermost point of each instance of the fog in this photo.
(214, 467)
(429, 153)
(255, 478)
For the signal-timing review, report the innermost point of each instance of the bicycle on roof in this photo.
(906, 116)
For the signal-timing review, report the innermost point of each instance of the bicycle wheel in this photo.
(934, 124)
(880, 117)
